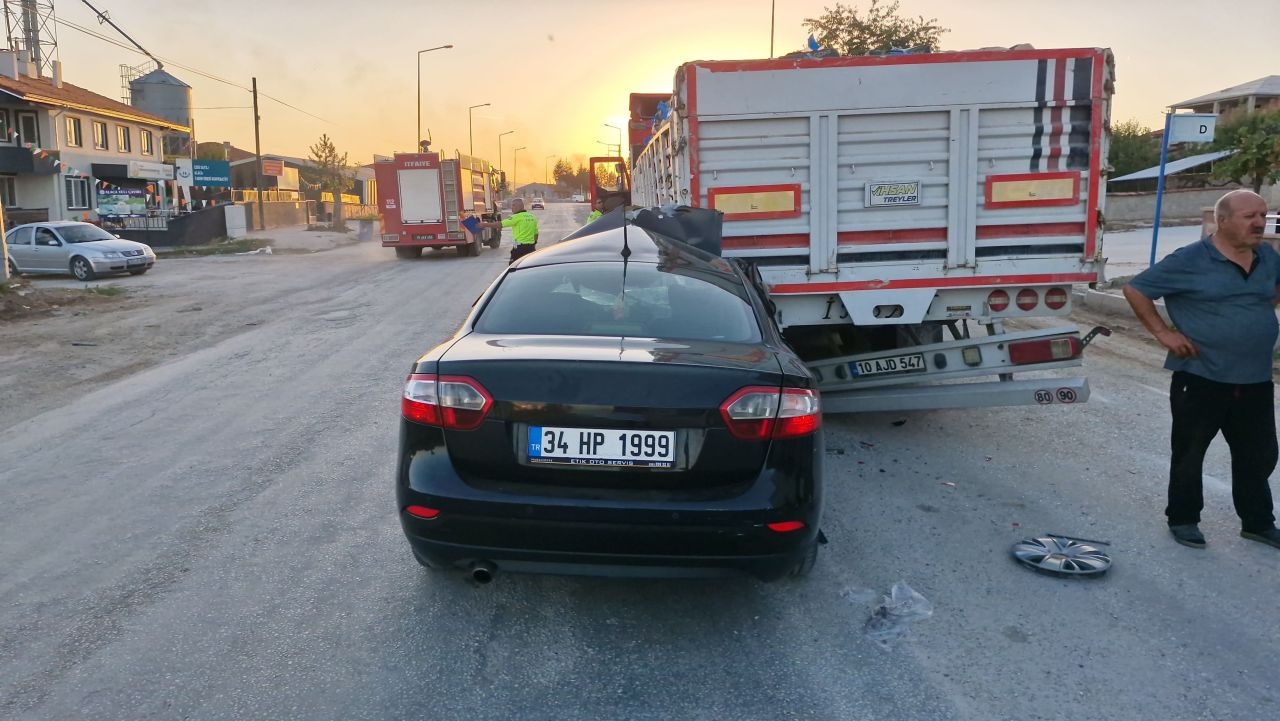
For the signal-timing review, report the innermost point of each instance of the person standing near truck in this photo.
(598, 211)
(1221, 294)
(524, 229)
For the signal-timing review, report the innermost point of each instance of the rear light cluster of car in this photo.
(454, 402)
(758, 413)
(1027, 299)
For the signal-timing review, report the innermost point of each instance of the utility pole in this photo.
(773, 13)
(257, 151)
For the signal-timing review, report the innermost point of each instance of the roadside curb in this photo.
(1111, 303)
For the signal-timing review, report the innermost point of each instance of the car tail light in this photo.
(1055, 298)
(757, 413)
(998, 300)
(1027, 299)
(785, 526)
(453, 402)
(1043, 351)
(422, 512)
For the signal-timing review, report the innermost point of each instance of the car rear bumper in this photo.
(593, 549)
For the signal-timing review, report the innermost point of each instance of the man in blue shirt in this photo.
(1220, 294)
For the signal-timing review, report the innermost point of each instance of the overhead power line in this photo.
(174, 63)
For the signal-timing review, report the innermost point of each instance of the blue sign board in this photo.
(211, 173)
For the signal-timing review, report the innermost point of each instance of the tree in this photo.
(1255, 138)
(877, 30)
(332, 172)
(1133, 148)
(573, 178)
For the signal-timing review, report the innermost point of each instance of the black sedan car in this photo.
(617, 404)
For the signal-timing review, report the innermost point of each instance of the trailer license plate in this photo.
(909, 363)
(602, 447)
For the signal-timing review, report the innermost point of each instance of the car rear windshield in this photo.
(83, 233)
(592, 299)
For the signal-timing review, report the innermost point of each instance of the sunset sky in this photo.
(556, 71)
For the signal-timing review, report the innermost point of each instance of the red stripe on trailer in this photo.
(793, 240)
(989, 280)
(1095, 157)
(913, 235)
(691, 87)
(980, 56)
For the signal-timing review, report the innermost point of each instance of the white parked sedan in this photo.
(82, 249)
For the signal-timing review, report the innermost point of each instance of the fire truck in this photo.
(899, 210)
(425, 201)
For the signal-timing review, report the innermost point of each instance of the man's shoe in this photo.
(1188, 535)
(1271, 536)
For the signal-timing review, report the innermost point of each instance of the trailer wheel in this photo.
(408, 253)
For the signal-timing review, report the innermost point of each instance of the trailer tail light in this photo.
(1056, 298)
(1044, 351)
(757, 413)
(1027, 299)
(453, 402)
(998, 301)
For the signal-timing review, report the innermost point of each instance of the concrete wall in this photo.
(1178, 204)
(279, 214)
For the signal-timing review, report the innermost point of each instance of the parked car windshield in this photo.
(83, 233)
(592, 299)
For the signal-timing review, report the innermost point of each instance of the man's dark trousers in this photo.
(519, 250)
(1245, 414)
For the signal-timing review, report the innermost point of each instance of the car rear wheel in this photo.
(408, 253)
(805, 564)
(13, 270)
(82, 270)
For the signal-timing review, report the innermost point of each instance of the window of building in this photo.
(100, 135)
(28, 128)
(77, 193)
(122, 139)
(74, 138)
(4, 126)
(144, 142)
(9, 191)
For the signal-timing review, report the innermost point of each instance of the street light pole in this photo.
(417, 143)
(471, 146)
(546, 174)
(515, 167)
(500, 149)
(619, 137)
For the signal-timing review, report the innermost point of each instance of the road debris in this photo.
(892, 619)
(259, 251)
(82, 343)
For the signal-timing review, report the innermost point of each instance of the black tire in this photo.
(82, 270)
(138, 271)
(470, 250)
(408, 253)
(494, 240)
(13, 269)
(805, 565)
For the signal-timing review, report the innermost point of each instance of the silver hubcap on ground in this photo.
(1062, 556)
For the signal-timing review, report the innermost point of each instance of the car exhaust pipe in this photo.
(482, 572)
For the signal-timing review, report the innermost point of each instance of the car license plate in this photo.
(602, 447)
(137, 261)
(908, 363)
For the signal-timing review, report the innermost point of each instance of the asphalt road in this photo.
(214, 537)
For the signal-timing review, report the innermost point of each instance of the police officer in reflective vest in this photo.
(524, 229)
(599, 210)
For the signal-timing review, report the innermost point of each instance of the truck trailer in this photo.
(900, 209)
